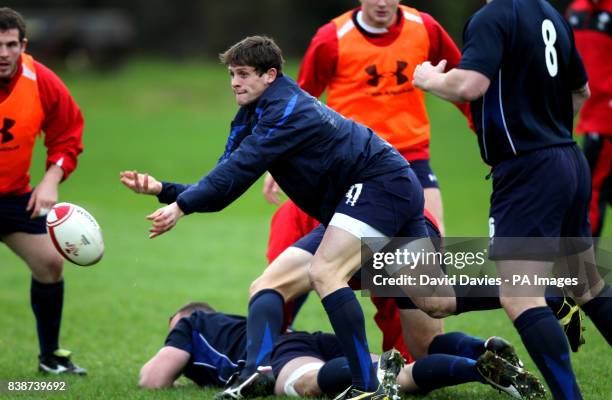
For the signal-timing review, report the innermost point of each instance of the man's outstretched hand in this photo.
(164, 219)
(140, 183)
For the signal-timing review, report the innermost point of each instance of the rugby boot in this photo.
(504, 349)
(354, 394)
(389, 366)
(508, 378)
(570, 318)
(59, 363)
(259, 384)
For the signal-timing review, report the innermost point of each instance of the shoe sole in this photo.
(391, 363)
(523, 384)
(250, 388)
(63, 371)
(507, 352)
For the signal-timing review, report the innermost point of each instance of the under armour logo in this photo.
(400, 78)
(6, 135)
(373, 72)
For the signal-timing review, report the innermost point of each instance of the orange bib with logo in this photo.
(373, 84)
(21, 118)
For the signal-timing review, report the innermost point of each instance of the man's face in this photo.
(379, 13)
(247, 84)
(10, 50)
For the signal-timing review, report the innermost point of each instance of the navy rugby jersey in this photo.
(216, 343)
(527, 50)
(313, 153)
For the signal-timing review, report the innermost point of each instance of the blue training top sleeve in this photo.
(272, 136)
(180, 336)
(484, 38)
(170, 192)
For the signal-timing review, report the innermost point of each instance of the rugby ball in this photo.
(75, 234)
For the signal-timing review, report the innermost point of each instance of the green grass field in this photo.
(171, 120)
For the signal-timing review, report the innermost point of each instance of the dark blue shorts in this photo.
(310, 242)
(323, 346)
(424, 173)
(15, 218)
(392, 204)
(543, 195)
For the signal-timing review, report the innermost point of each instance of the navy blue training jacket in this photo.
(216, 343)
(313, 153)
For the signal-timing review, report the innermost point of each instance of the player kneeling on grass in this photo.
(209, 347)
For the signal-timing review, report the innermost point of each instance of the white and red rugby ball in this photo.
(75, 234)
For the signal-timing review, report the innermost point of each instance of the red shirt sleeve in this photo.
(63, 125)
(319, 63)
(442, 47)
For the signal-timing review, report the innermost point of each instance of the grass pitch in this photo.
(171, 120)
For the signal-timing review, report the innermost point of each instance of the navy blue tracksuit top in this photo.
(313, 153)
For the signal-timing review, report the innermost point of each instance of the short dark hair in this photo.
(259, 52)
(192, 307)
(11, 19)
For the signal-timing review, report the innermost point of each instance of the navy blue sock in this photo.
(47, 301)
(298, 302)
(546, 343)
(599, 310)
(457, 344)
(334, 376)
(347, 319)
(466, 304)
(441, 370)
(555, 303)
(264, 323)
(476, 298)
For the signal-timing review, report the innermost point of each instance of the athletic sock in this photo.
(264, 322)
(555, 303)
(298, 302)
(441, 370)
(348, 322)
(457, 344)
(47, 300)
(544, 339)
(472, 298)
(599, 309)
(466, 304)
(476, 298)
(334, 376)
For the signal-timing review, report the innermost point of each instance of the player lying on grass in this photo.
(288, 275)
(209, 347)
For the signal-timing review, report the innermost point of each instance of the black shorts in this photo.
(15, 218)
(425, 174)
(310, 242)
(392, 204)
(537, 199)
(324, 346)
